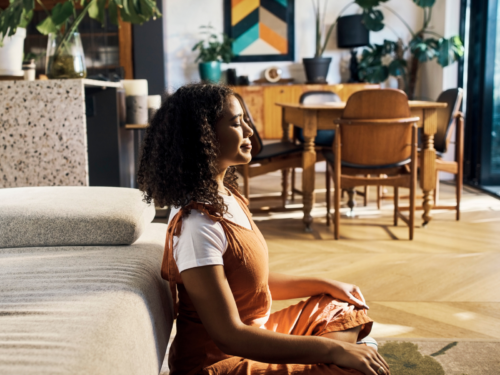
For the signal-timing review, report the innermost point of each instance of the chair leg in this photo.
(336, 222)
(379, 195)
(246, 182)
(396, 205)
(328, 195)
(284, 184)
(412, 210)
(365, 198)
(458, 187)
(351, 203)
(436, 189)
(293, 183)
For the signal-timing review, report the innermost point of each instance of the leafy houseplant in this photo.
(402, 60)
(212, 51)
(317, 67)
(65, 58)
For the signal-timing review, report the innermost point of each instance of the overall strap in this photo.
(169, 270)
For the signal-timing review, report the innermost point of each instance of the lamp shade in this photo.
(351, 32)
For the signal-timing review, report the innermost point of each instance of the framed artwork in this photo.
(263, 30)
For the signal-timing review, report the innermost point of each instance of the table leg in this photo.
(428, 163)
(284, 172)
(308, 162)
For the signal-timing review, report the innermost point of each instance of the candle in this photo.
(135, 87)
(154, 101)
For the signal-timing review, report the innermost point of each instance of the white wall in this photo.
(183, 18)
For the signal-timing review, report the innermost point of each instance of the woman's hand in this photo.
(361, 357)
(346, 292)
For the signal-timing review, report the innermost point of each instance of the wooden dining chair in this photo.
(448, 120)
(375, 136)
(268, 158)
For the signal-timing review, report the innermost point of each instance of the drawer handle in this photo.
(282, 91)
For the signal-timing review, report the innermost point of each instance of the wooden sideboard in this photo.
(261, 100)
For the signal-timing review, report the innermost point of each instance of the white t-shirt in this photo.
(202, 241)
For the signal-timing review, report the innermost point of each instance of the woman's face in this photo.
(234, 135)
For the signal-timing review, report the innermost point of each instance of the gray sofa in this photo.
(80, 284)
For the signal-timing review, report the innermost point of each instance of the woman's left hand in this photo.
(346, 292)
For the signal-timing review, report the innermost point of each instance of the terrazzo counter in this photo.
(43, 132)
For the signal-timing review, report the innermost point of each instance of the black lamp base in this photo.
(353, 67)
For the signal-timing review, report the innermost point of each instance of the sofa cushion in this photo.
(72, 216)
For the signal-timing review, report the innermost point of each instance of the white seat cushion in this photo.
(72, 216)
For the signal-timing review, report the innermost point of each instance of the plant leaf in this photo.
(374, 74)
(26, 18)
(373, 19)
(97, 10)
(449, 51)
(397, 67)
(424, 3)
(113, 12)
(47, 26)
(424, 50)
(61, 13)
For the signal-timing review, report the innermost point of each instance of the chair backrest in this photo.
(318, 97)
(377, 104)
(384, 141)
(255, 139)
(453, 97)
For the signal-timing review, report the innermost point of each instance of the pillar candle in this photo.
(135, 87)
(154, 101)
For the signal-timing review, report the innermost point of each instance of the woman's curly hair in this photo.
(178, 162)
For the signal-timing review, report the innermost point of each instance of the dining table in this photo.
(314, 117)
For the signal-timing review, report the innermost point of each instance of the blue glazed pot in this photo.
(210, 71)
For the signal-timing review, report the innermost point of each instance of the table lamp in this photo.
(352, 33)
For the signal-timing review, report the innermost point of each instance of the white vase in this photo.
(11, 54)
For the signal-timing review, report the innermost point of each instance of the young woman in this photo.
(217, 260)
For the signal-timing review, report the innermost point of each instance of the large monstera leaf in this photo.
(424, 49)
(449, 50)
(373, 19)
(371, 68)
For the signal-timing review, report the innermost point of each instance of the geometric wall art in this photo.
(263, 30)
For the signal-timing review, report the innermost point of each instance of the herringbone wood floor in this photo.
(443, 284)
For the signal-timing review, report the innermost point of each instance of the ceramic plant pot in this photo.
(316, 69)
(210, 71)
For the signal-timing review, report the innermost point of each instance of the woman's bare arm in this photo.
(289, 287)
(212, 297)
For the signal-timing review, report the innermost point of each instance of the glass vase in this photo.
(65, 58)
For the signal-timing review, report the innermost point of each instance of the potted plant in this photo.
(212, 51)
(400, 59)
(12, 37)
(65, 57)
(316, 68)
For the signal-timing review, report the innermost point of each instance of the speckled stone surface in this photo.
(43, 140)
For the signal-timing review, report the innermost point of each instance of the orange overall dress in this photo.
(246, 268)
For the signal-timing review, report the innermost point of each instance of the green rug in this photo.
(441, 357)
